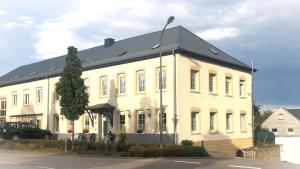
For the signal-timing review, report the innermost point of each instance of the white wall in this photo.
(290, 148)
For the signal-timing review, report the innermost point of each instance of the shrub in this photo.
(136, 151)
(123, 147)
(152, 151)
(122, 137)
(187, 142)
(184, 151)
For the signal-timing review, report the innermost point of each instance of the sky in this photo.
(266, 31)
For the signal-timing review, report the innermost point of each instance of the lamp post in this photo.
(170, 20)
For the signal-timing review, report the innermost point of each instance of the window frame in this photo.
(139, 120)
(14, 99)
(39, 98)
(243, 128)
(230, 126)
(164, 78)
(120, 86)
(213, 127)
(138, 84)
(122, 127)
(228, 86)
(194, 80)
(212, 83)
(242, 88)
(26, 100)
(103, 86)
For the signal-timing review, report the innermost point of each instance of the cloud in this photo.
(219, 33)
(26, 20)
(2, 12)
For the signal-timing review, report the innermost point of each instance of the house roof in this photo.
(295, 113)
(127, 50)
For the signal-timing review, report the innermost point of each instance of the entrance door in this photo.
(105, 128)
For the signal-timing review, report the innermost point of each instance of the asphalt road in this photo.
(22, 160)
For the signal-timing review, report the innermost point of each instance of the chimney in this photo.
(108, 42)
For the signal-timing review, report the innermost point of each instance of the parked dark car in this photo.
(18, 130)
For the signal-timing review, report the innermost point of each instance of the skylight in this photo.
(213, 51)
(33, 73)
(121, 54)
(155, 46)
(52, 69)
(17, 76)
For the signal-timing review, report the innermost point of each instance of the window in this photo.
(141, 121)
(140, 81)
(14, 99)
(229, 122)
(195, 122)
(228, 86)
(122, 121)
(212, 83)
(26, 97)
(103, 86)
(290, 131)
(122, 84)
(38, 123)
(164, 78)
(280, 117)
(243, 122)
(213, 121)
(274, 131)
(39, 95)
(86, 121)
(56, 125)
(164, 120)
(242, 88)
(194, 80)
(2, 107)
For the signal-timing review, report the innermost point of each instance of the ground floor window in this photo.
(290, 131)
(213, 121)
(56, 123)
(33, 118)
(243, 122)
(229, 122)
(140, 121)
(195, 127)
(274, 131)
(122, 121)
(86, 121)
(164, 120)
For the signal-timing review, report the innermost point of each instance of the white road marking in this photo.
(239, 166)
(189, 162)
(45, 167)
(7, 162)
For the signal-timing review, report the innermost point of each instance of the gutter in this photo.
(48, 81)
(175, 98)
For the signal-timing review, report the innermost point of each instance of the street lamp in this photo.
(170, 20)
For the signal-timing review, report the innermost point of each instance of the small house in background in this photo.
(283, 122)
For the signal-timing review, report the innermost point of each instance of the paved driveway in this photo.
(22, 160)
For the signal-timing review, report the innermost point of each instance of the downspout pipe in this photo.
(175, 97)
(48, 93)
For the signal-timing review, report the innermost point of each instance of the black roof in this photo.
(127, 50)
(295, 112)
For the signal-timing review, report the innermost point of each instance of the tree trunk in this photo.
(73, 135)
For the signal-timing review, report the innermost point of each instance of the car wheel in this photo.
(46, 137)
(15, 137)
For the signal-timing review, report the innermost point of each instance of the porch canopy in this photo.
(105, 109)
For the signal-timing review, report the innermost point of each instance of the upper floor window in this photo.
(242, 88)
(280, 117)
(3, 107)
(290, 131)
(212, 83)
(141, 81)
(164, 78)
(39, 95)
(86, 121)
(26, 100)
(228, 86)
(243, 122)
(274, 131)
(194, 80)
(122, 84)
(103, 86)
(14, 98)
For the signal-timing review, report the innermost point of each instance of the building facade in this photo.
(283, 122)
(206, 92)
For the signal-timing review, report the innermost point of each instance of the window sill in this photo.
(230, 96)
(196, 133)
(213, 132)
(213, 94)
(121, 95)
(106, 96)
(195, 91)
(244, 131)
(242, 97)
(140, 93)
(229, 131)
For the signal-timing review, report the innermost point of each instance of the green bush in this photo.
(187, 142)
(123, 147)
(32, 144)
(122, 137)
(136, 151)
(184, 151)
(152, 151)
